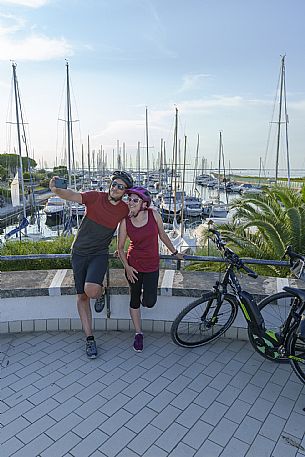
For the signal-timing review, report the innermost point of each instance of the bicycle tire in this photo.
(189, 332)
(296, 349)
(274, 309)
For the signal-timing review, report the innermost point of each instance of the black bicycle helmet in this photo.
(124, 176)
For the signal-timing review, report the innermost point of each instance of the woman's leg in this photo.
(135, 301)
(135, 315)
(150, 288)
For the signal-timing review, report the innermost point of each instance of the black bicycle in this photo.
(273, 330)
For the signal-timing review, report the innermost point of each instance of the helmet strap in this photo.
(141, 209)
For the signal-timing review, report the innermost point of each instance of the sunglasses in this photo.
(119, 186)
(134, 200)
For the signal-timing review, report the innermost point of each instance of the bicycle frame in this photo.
(245, 300)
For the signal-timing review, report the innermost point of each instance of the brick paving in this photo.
(218, 400)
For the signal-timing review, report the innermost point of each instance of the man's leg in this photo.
(80, 268)
(84, 311)
(94, 280)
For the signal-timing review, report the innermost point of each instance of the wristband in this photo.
(175, 253)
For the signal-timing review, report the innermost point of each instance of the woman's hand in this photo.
(179, 256)
(132, 274)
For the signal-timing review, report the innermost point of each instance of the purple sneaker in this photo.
(138, 342)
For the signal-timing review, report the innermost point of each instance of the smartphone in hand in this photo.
(61, 183)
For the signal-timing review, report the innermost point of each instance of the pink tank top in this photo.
(143, 251)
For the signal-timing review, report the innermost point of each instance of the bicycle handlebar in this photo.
(232, 257)
(292, 255)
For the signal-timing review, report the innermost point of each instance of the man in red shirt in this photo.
(104, 210)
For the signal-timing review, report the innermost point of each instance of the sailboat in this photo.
(192, 204)
(18, 181)
(67, 211)
(282, 122)
(171, 198)
(214, 207)
(182, 238)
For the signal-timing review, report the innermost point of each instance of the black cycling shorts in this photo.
(148, 283)
(88, 268)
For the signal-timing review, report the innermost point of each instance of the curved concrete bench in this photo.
(40, 300)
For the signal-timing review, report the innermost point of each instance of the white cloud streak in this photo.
(18, 43)
(192, 81)
(28, 3)
(35, 48)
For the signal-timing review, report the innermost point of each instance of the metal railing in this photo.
(191, 258)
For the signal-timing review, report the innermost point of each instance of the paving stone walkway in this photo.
(219, 400)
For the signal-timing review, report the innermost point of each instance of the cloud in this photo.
(10, 24)
(28, 3)
(297, 105)
(208, 104)
(18, 43)
(192, 81)
(121, 128)
(35, 47)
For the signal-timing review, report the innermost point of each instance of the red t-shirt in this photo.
(99, 223)
(100, 210)
(143, 251)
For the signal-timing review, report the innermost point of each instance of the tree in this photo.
(12, 162)
(61, 171)
(3, 173)
(265, 224)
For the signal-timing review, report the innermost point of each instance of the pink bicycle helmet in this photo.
(141, 192)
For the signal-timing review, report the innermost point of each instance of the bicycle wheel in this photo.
(296, 349)
(275, 310)
(191, 329)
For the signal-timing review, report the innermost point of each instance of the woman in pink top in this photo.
(143, 227)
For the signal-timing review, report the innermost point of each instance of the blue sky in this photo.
(218, 61)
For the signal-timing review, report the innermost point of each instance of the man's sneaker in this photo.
(138, 342)
(91, 349)
(100, 303)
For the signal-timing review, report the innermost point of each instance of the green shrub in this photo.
(60, 245)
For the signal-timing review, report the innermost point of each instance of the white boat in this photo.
(192, 206)
(152, 189)
(202, 179)
(214, 208)
(250, 189)
(183, 239)
(78, 209)
(54, 207)
(169, 207)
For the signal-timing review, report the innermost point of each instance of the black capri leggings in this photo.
(149, 283)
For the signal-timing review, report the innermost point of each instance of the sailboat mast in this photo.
(219, 162)
(88, 152)
(175, 161)
(139, 162)
(286, 130)
(183, 184)
(68, 122)
(147, 147)
(19, 137)
(279, 118)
